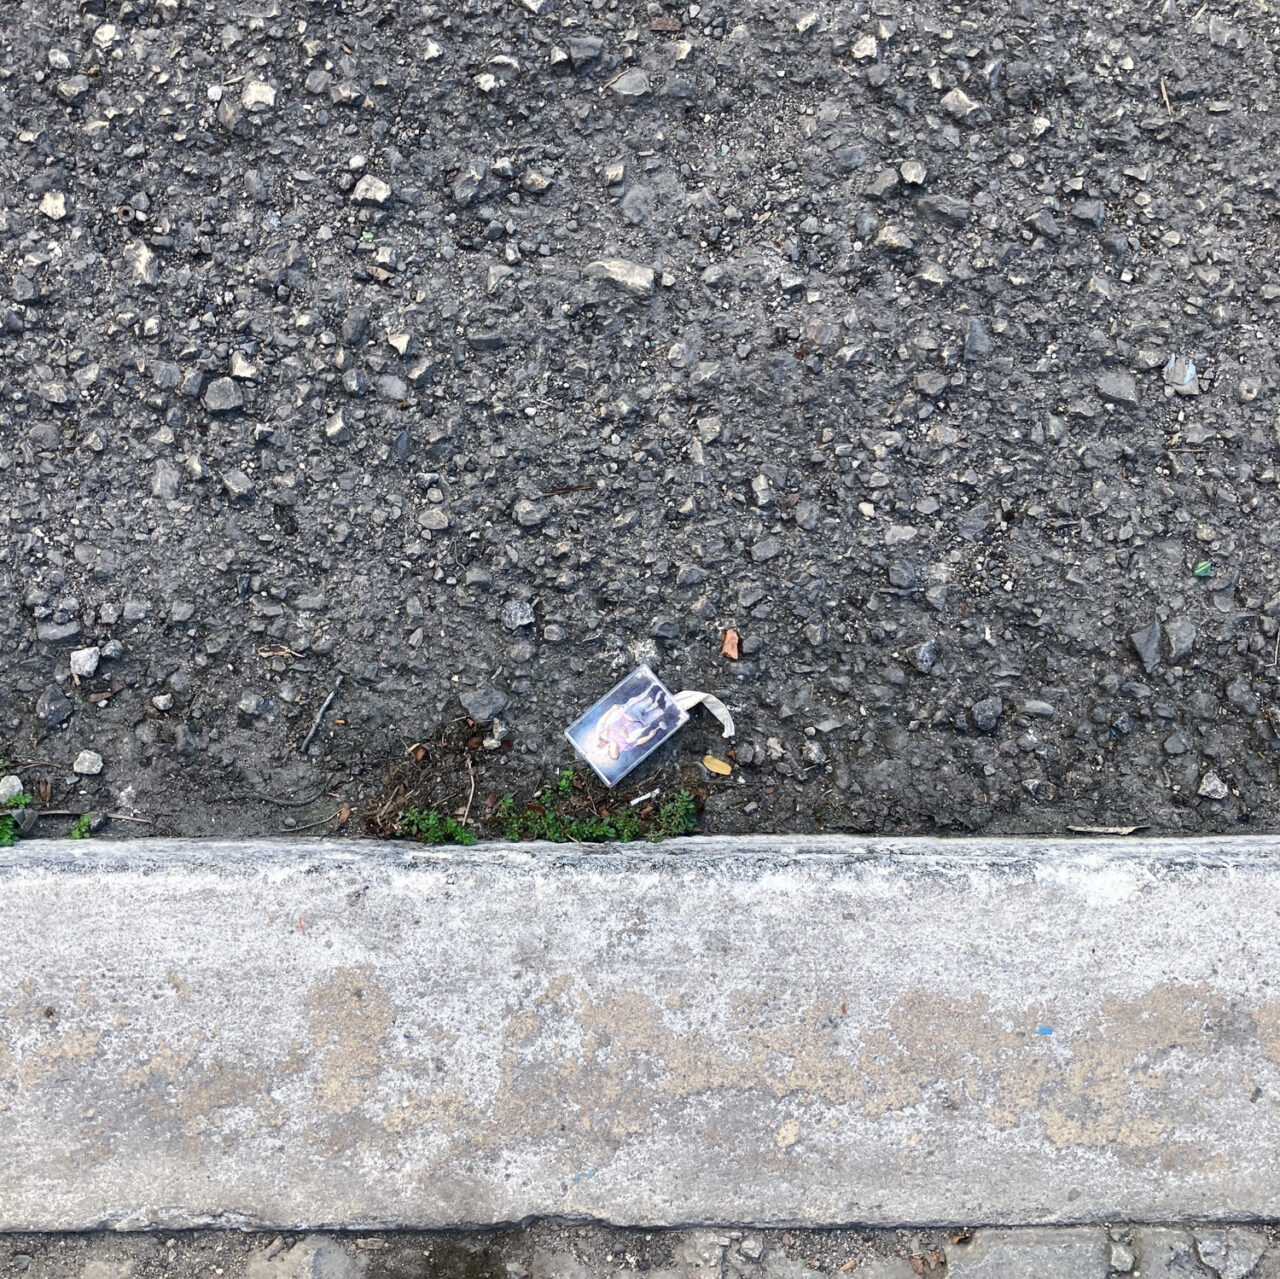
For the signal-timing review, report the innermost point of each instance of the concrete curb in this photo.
(760, 1031)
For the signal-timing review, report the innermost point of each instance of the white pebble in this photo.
(88, 764)
(84, 661)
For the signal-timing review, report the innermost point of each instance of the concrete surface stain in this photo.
(1107, 1084)
(350, 1017)
(788, 1133)
(187, 1093)
(449, 1111)
(606, 1067)
(58, 1055)
(164, 1063)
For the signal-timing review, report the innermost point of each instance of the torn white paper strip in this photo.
(688, 698)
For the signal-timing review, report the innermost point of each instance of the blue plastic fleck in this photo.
(1044, 1030)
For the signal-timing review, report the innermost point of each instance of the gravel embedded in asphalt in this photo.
(337, 336)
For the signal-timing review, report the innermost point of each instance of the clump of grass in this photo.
(538, 821)
(83, 826)
(430, 826)
(9, 831)
(676, 816)
(549, 816)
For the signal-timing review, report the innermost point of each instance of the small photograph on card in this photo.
(626, 725)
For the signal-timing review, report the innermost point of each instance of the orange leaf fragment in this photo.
(729, 645)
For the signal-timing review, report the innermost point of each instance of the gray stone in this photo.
(251, 705)
(87, 764)
(257, 96)
(53, 204)
(1121, 1257)
(57, 632)
(807, 514)
(584, 50)
(630, 277)
(1042, 222)
(962, 107)
(44, 435)
(1117, 386)
(1231, 1253)
(631, 85)
(986, 714)
(355, 326)
(947, 209)
(1090, 211)
(903, 575)
(371, 191)
(1164, 1253)
(10, 787)
(1242, 697)
(1212, 787)
(166, 481)
(925, 656)
(140, 263)
(238, 485)
(223, 395)
(1146, 643)
(53, 706)
(529, 513)
(1024, 1254)
(483, 703)
(1180, 639)
(766, 548)
(314, 1257)
(469, 182)
(419, 965)
(517, 613)
(84, 661)
(977, 341)
(74, 89)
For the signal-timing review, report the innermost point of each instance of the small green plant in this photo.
(82, 827)
(429, 826)
(9, 829)
(548, 821)
(676, 816)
